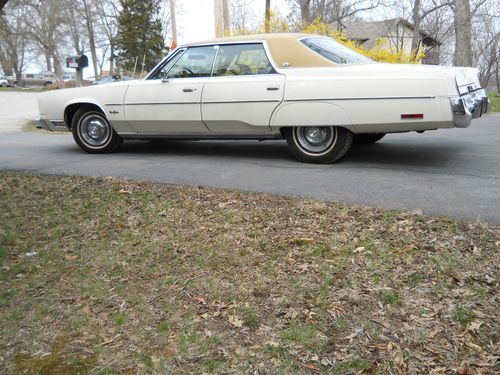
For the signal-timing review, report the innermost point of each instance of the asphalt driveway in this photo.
(447, 172)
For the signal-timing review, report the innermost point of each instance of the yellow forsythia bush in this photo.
(380, 52)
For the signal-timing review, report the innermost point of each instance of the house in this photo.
(397, 34)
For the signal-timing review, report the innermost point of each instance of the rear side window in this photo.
(335, 51)
(242, 59)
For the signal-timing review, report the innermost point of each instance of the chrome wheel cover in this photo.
(315, 139)
(95, 130)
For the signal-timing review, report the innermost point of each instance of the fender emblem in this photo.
(114, 112)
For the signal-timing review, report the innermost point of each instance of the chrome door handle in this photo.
(187, 89)
(273, 88)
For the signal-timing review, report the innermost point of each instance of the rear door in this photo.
(243, 91)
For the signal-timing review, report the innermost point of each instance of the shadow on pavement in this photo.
(381, 154)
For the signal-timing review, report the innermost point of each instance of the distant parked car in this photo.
(68, 77)
(37, 79)
(3, 81)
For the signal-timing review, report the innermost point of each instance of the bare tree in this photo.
(419, 14)
(241, 13)
(13, 42)
(108, 13)
(46, 21)
(330, 11)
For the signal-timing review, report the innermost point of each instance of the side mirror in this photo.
(164, 76)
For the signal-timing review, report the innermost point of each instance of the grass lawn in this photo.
(495, 102)
(108, 276)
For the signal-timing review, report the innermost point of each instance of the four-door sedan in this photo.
(310, 90)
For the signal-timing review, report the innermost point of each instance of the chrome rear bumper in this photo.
(470, 106)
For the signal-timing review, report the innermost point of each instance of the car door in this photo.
(243, 91)
(171, 104)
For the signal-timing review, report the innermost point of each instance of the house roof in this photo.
(362, 30)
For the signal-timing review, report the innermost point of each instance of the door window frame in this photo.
(178, 52)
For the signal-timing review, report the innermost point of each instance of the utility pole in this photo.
(171, 3)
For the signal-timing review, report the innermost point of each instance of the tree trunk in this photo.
(226, 28)
(7, 67)
(415, 41)
(498, 77)
(57, 64)
(90, 30)
(218, 18)
(48, 61)
(173, 19)
(267, 22)
(305, 12)
(111, 59)
(463, 49)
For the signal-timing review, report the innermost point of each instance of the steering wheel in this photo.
(186, 70)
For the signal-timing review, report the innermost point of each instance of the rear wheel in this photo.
(367, 139)
(318, 144)
(93, 133)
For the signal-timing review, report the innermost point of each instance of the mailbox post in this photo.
(78, 63)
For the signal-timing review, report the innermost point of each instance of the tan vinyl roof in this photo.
(285, 48)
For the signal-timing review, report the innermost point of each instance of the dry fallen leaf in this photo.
(474, 346)
(434, 333)
(123, 191)
(235, 321)
(310, 366)
(70, 257)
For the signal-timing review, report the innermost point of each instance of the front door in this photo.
(171, 105)
(243, 91)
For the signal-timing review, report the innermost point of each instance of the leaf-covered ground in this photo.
(108, 276)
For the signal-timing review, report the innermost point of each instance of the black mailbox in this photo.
(77, 62)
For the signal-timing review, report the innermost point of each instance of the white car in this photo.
(310, 90)
(3, 81)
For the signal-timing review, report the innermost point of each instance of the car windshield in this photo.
(335, 51)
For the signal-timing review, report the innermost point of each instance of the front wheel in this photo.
(318, 144)
(93, 133)
(368, 138)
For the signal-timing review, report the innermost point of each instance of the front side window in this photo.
(242, 59)
(335, 51)
(195, 62)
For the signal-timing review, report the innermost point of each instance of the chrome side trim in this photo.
(112, 104)
(202, 136)
(242, 101)
(361, 98)
(154, 103)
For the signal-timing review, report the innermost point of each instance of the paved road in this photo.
(15, 109)
(451, 172)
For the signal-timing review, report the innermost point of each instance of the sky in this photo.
(196, 18)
